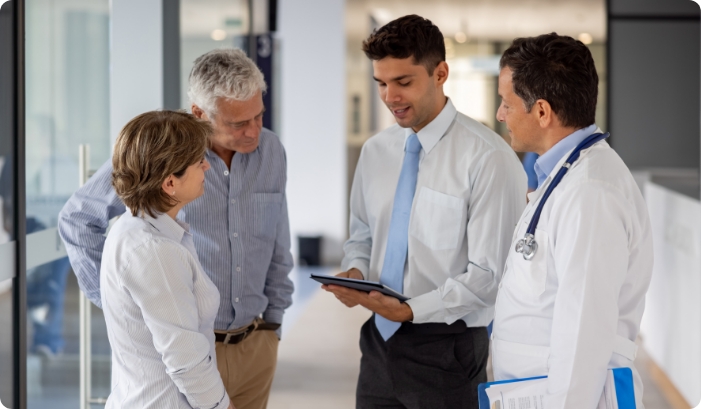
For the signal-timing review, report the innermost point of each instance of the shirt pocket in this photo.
(437, 219)
(515, 360)
(266, 212)
(533, 274)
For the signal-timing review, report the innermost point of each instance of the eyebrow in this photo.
(243, 122)
(401, 77)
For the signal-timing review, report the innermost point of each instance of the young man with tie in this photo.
(432, 209)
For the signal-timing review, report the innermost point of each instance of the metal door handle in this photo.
(86, 399)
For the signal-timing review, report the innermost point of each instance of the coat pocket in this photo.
(512, 360)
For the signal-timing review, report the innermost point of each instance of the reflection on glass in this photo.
(6, 353)
(7, 195)
(67, 92)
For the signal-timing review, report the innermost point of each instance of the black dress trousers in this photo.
(422, 366)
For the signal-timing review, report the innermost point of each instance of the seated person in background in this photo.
(159, 304)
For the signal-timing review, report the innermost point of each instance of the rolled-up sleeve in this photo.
(160, 281)
(82, 224)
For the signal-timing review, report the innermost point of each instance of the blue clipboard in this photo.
(625, 389)
(622, 378)
(482, 389)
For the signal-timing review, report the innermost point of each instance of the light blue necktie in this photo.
(398, 237)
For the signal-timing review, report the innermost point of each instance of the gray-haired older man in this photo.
(240, 225)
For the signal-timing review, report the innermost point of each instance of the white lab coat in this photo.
(574, 310)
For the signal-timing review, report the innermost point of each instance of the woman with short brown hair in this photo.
(159, 304)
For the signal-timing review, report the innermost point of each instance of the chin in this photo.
(406, 123)
(247, 149)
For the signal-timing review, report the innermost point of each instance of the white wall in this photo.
(671, 327)
(313, 123)
(136, 60)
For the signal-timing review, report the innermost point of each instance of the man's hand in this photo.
(352, 273)
(386, 306)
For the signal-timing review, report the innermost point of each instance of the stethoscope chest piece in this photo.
(527, 246)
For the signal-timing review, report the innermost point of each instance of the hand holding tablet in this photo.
(360, 285)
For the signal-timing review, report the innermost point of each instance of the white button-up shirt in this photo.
(574, 310)
(470, 192)
(160, 308)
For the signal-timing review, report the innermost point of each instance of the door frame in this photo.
(19, 286)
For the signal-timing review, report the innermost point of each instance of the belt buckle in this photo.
(228, 338)
(243, 334)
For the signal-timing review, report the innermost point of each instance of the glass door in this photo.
(9, 284)
(67, 69)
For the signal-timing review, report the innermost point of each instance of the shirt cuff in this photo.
(427, 308)
(224, 402)
(361, 265)
(273, 316)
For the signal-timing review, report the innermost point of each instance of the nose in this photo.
(253, 128)
(391, 94)
(500, 113)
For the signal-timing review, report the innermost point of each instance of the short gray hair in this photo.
(224, 73)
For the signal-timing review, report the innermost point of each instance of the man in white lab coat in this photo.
(573, 310)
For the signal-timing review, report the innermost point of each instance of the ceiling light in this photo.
(218, 34)
(460, 37)
(585, 38)
(382, 16)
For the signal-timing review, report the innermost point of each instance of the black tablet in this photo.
(360, 285)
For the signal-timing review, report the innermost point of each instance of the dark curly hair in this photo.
(408, 36)
(558, 69)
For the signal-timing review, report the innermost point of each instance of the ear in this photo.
(543, 113)
(168, 185)
(198, 112)
(440, 73)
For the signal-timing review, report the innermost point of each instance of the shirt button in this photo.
(233, 201)
(236, 299)
(236, 234)
(238, 268)
(226, 173)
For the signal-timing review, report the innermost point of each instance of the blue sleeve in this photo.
(528, 165)
(82, 224)
(278, 286)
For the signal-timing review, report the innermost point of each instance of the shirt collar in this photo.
(547, 162)
(173, 229)
(434, 131)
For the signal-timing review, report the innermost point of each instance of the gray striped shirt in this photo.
(240, 227)
(160, 308)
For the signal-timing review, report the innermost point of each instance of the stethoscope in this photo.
(527, 245)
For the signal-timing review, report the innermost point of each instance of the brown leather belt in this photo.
(237, 335)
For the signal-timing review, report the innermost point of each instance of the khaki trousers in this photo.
(247, 368)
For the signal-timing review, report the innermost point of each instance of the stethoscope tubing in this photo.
(528, 246)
